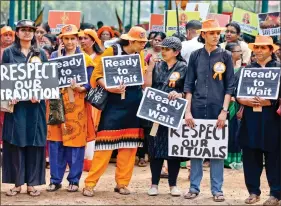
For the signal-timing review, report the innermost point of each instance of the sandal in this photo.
(88, 191)
(271, 201)
(142, 162)
(33, 192)
(73, 187)
(219, 197)
(53, 187)
(123, 190)
(13, 192)
(252, 199)
(190, 195)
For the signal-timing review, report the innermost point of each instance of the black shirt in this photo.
(208, 93)
(168, 80)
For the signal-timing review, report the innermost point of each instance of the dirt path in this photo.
(234, 190)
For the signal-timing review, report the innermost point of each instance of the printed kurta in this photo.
(119, 127)
(74, 132)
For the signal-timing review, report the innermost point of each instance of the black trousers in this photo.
(144, 150)
(23, 165)
(173, 170)
(253, 166)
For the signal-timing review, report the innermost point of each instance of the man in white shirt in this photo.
(192, 43)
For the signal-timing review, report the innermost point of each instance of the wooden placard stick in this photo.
(123, 95)
(257, 109)
(154, 129)
(70, 95)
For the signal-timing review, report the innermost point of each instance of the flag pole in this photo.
(177, 13)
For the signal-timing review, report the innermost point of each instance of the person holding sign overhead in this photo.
(168, 76)
(24, 130)
(209, 88)
(260, 131)
(119, 127)
(67, 140)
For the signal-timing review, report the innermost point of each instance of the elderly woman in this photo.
(260, 132)
(67, 141)
(25, 130)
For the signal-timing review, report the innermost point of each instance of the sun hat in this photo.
(69, 29)
(263, 40)
(91, 33)
(136, 33)
(211, 25)
(6, 29)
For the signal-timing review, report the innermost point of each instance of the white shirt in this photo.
(189, 46)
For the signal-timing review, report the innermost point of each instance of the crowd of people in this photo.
(182, 67)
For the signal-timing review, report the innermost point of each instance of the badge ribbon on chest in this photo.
(219, 69)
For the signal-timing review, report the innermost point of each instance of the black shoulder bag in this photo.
(97, 97)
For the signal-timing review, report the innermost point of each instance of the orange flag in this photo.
(182, 3)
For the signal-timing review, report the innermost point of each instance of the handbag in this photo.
(56, 115)
(97, 97)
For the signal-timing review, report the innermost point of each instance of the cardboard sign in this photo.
(270, 24)
(122, 69)
(57, 19)
(205, 140)
(261, 82)
(24, 81)
(156, 22)
(223, 19)
(71, 67)
(203, 8)
(170, 20)
(247, 20)
(156, 107)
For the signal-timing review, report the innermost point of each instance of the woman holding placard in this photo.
(119, 128)
(67, 140)
(260, 131)
(167, 75)
(25, 130)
